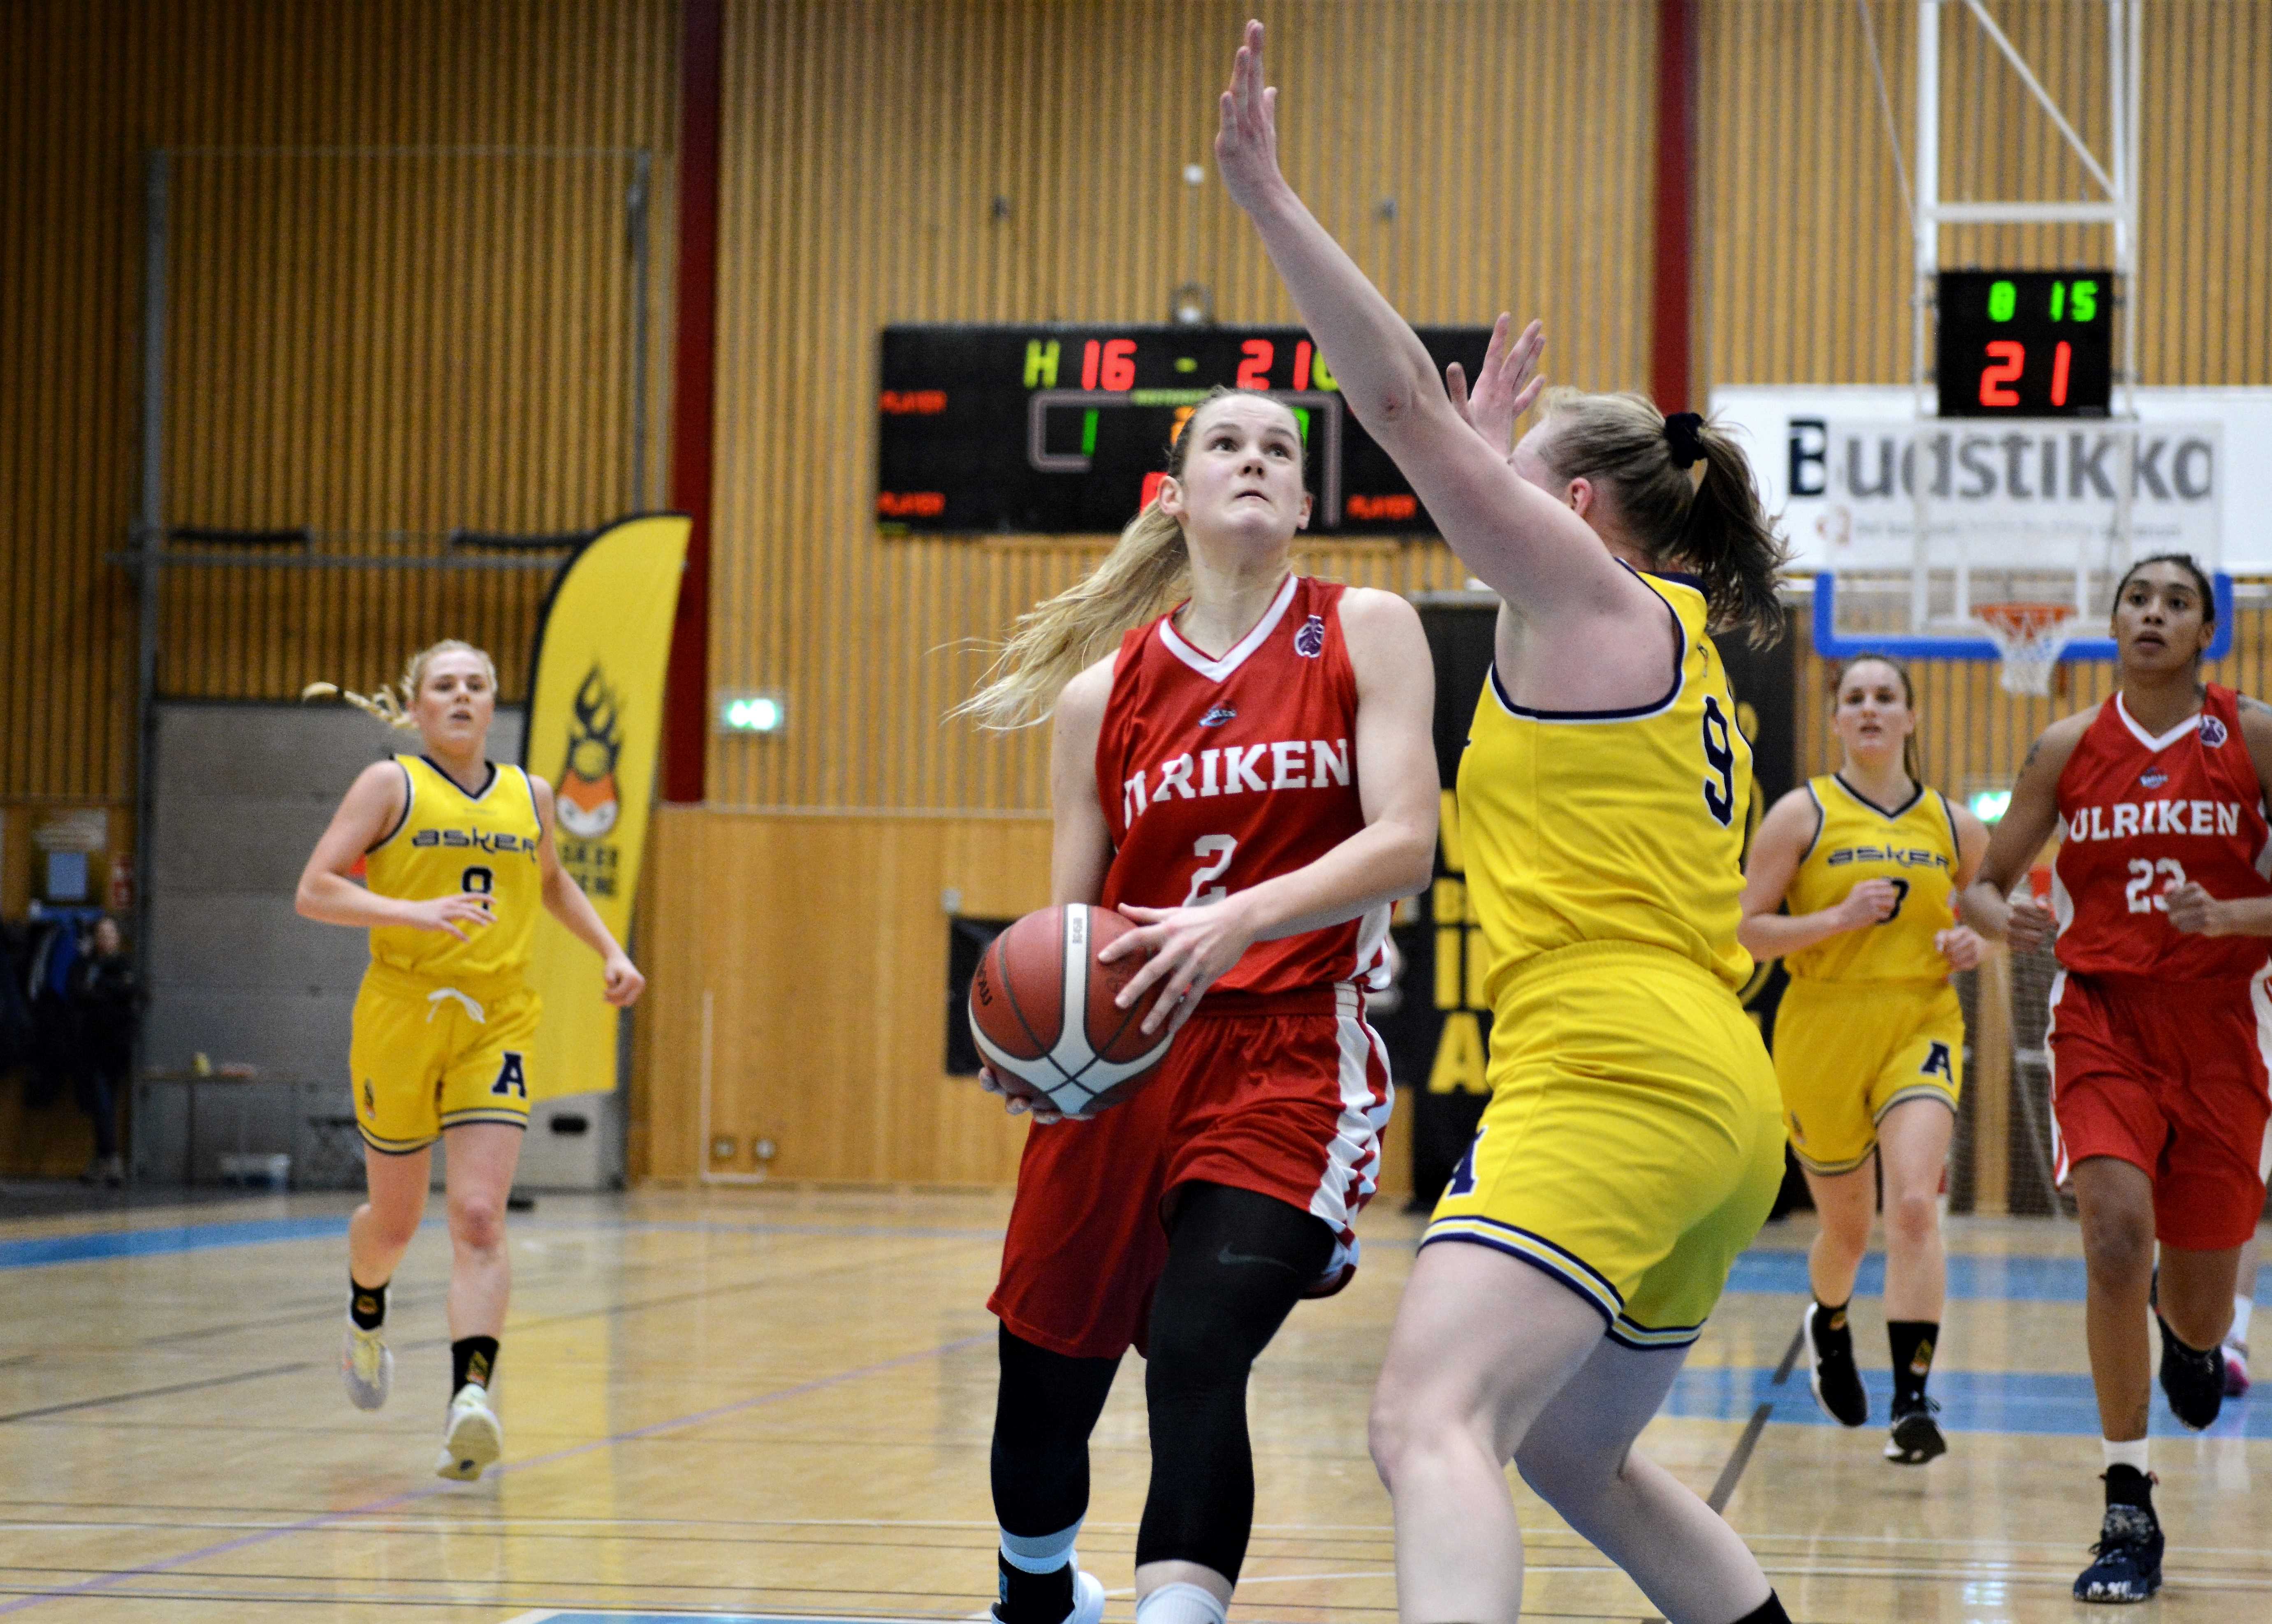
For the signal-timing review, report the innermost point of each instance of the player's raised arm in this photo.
(1523, 543)
(2027, 822)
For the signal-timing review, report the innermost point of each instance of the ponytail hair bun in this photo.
(1713, 527)
(384, 704)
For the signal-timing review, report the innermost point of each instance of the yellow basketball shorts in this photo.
(1632, 1145)
(427, 1056)
(1847, 1052)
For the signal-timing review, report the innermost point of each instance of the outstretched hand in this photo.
(1506, 387)
(1246, 145)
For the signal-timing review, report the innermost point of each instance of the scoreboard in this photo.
(2026, 343)
(1064, 430)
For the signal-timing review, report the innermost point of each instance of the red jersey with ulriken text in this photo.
(2141, 815)
(1218, 772)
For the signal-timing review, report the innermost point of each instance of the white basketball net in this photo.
(2029, 637)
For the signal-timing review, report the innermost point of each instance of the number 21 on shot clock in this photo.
(2026, 343)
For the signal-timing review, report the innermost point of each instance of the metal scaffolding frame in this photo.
(149, 558)
(2117, 176)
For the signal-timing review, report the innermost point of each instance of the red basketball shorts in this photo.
(1283, 1095)
(2171, 1078)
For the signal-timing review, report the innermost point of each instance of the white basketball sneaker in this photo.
(473, 1438)
(1087, 1598)
(366, 1367)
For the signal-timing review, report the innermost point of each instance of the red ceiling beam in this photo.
(694, 391)
(1671, 293)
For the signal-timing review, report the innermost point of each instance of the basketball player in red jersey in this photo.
(1249, 775)
(2159, 1015)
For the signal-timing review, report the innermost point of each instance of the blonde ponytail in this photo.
(1144, 575)
(384, 704)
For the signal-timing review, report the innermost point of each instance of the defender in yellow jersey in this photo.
(1869, 1040)
(457, 856)
(1604, 854)
(1631, 1143)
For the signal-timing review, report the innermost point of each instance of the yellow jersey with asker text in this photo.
(1584, 826)
(449, 842)
(1915, 846)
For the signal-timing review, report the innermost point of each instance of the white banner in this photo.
(1842, 464)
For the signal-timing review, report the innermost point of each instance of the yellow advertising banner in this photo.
(595, 721)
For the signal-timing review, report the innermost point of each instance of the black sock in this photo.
(1025, 1597)
(2126, 1485)
(366, 1305)
(1912, 1342)
(472, 1359)
(1828, 1317)
(1768, 1612)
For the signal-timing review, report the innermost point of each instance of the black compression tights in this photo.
(1236, 1264)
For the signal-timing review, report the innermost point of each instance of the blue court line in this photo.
(1971, 1400)
(42, 1251)
(1972, 1277)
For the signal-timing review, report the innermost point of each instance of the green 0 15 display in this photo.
(2026, 343)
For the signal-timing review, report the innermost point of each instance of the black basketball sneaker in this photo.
(2127, 1559)
(2193, 1379)
(1831, 1370)
(1916, 1436)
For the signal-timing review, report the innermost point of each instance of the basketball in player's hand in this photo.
(1041, 1012)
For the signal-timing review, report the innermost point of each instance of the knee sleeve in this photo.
(1044, 1409)
(1237, 1262)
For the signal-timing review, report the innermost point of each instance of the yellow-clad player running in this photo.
(1633, 1140)
(458, 857)
(1869, 1040)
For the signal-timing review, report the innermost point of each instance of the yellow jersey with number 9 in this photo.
(1915, 846)
(449, 842)
(1613, 825)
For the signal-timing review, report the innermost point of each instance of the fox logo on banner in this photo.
(587, 786)
(595, 721)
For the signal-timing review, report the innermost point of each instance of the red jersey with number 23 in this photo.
(2141, 815)
(1218, 772)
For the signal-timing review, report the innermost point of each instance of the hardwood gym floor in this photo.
(775, 1404)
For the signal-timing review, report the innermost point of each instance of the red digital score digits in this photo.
(1254, 371)
(1109, 363)
(2012, 359)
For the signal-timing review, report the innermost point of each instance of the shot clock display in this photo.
(2026, 343)
(1062, 430)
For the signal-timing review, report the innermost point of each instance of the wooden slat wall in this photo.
(360, 343)
(384, 345)
(1472, 156)
(1806, 242)
(825, 1000)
